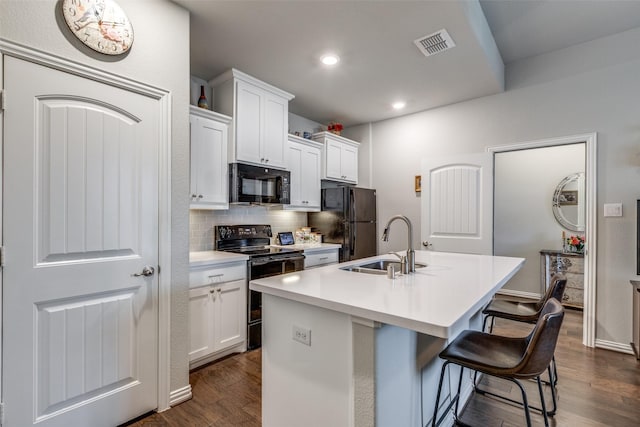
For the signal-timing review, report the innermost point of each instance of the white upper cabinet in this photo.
(260, 118)
(209, 167)
(304, 163)
(339, 158)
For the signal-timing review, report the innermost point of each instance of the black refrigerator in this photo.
(348, 217)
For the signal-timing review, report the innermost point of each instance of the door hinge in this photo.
(1, 413)
(1, 100)
(1, 266)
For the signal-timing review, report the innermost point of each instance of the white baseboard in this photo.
(180, 395)
(519, 294)
(614, 346)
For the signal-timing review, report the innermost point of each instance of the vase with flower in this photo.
(574, 244)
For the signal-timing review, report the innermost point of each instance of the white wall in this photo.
(525, 181)
(159, 57)
(571, 92)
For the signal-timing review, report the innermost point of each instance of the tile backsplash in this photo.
(201, 222)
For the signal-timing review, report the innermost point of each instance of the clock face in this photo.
(99, 24)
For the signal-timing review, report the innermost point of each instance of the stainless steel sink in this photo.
(377, 267)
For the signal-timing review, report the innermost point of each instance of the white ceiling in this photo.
(280, 42)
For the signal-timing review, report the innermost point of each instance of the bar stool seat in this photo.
(506, 357)
(520, 311)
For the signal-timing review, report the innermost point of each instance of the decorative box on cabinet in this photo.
(304, 162)
(260, 118)
(571, 265)
(339, 157)
(209, 167)
(217, 311)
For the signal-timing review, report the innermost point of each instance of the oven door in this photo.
(260, 268)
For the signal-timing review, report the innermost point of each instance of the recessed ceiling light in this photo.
(330, 59)
(399, 105)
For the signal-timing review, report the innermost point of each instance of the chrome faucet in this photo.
(410, 266)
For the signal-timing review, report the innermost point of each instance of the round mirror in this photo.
(568, 202)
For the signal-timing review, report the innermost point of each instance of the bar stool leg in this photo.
(435, 411)
(544, 406)
(525, 402)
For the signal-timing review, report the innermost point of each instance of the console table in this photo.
(571, 265)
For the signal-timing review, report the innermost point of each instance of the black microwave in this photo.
(258, 184)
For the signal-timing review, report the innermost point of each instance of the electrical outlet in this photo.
(302, 335)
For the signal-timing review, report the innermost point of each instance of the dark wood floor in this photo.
(597, 388)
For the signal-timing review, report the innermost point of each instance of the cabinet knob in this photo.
(266, 160)
(200, 196)
(193, 196)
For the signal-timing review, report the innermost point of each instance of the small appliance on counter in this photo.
(285, 238)
(264, 261)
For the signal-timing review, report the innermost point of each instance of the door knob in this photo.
(426, 244)
(146, 271)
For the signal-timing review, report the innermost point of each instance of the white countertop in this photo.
(197, 259)
(437, 300)
(310, 247)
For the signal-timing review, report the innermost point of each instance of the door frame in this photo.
(163, 98)
(590, 141)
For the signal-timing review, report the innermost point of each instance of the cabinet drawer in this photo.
(567, 264)
(575, 281)
(573, 297)
(211, 275)
(315, 259)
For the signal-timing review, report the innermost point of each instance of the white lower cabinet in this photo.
(217, 318)
(320, 257)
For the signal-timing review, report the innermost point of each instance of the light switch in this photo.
(613, 209)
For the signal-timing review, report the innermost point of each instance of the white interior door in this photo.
(80, 218)
(457, 203)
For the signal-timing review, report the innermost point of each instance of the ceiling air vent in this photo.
(435, 43)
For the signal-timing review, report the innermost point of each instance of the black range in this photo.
(264, 261)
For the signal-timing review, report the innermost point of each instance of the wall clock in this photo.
(100, 24)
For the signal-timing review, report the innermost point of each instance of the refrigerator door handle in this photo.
(353, 241)
(352, 206)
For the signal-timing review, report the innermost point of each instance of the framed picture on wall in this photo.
(568, 197)
(418, 183)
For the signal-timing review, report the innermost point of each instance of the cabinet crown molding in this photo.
(237, 74)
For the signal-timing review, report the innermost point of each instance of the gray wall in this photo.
(587, 88)
(159, 57)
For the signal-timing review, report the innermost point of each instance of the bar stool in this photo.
(506, 357)
(528, 312)
(519, 311)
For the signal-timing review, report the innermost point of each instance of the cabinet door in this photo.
(296, 168)
(311, 164)
(349, 163)
(200, 322)
(276, 123)
(209, 178)
(333, 151)
(248, 122)
(230, 314)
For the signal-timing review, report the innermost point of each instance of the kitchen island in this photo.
(344, 348)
